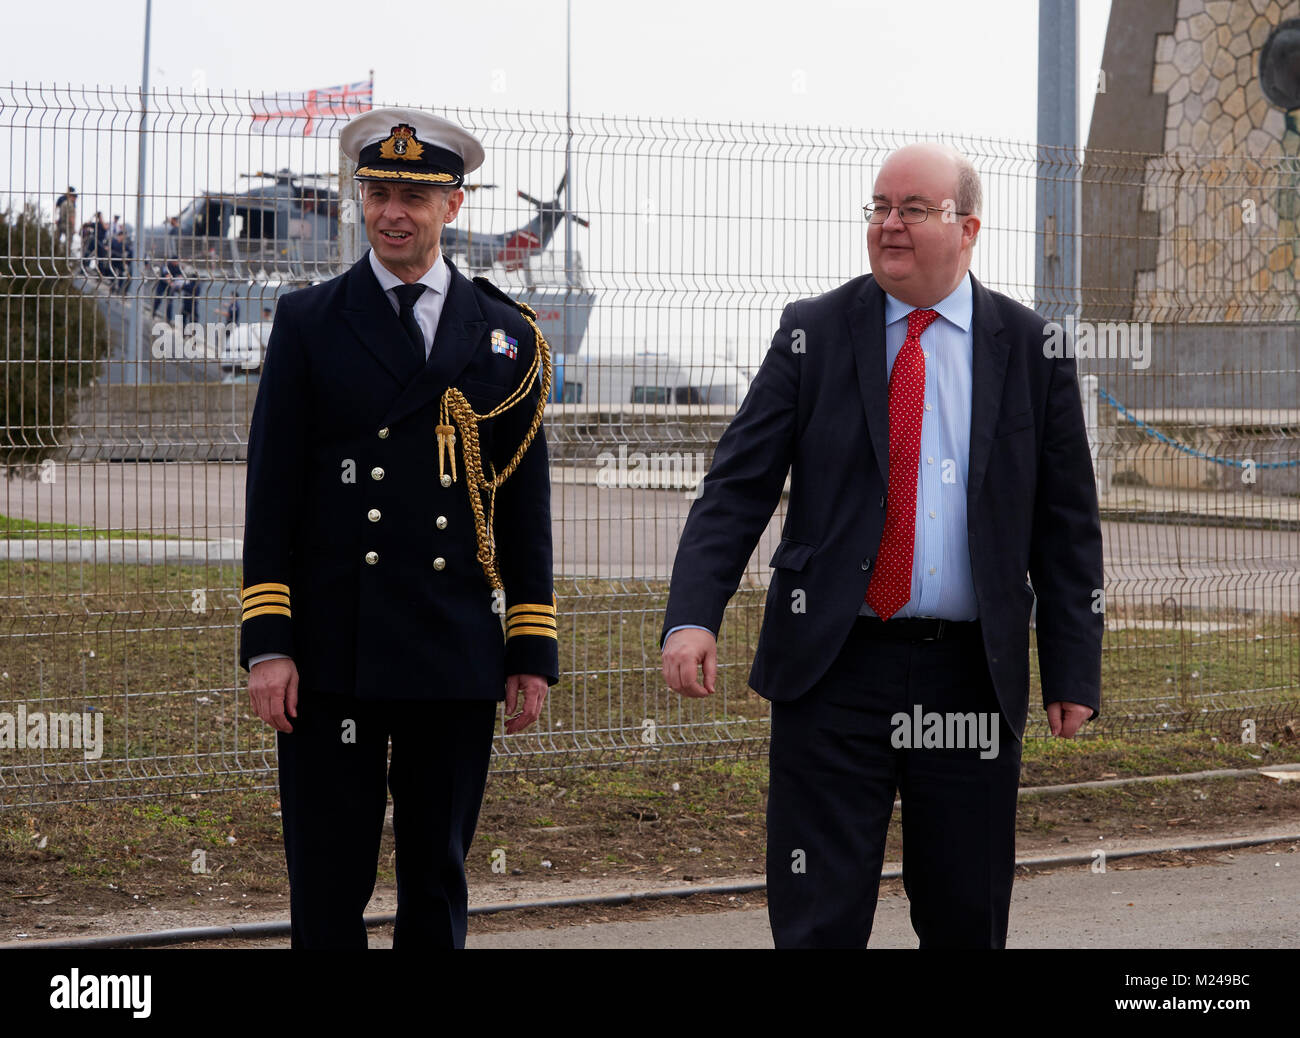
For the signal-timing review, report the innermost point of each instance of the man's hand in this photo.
(273, 687)
(1066, 718)
(534, 689)
(684, 653)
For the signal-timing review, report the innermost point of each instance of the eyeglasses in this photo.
(911, 213)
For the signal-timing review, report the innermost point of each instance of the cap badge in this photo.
(402, 144)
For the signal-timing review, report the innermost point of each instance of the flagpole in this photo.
(568, 182)
(132, 345)
(568, 139)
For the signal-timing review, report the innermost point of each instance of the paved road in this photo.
(1245, 898)
(613, 533)
(1251, 900)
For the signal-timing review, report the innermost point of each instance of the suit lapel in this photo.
(373, 320)
(989, 356)
(866, 321)
(460, 329)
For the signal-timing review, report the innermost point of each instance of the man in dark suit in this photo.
(397, 550)
(936, 456)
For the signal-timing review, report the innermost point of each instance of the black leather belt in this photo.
(916, 629)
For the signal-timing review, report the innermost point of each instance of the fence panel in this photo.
(659, 265)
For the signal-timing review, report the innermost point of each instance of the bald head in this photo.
(967, 192)
(921, 263)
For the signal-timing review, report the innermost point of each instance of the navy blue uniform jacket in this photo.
(358, 562)
(818, 409)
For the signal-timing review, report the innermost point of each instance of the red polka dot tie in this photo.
(891, 583)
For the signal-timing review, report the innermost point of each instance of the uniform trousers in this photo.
(834, 770)
(333, 767)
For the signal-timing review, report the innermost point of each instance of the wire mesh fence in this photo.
(659, 256)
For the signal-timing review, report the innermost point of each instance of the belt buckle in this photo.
(938, 634)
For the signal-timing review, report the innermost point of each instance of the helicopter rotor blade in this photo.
(559, 188)
(529, 198)
(578, 219)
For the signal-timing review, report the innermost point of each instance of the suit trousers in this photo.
(839, 753)
(333, 767)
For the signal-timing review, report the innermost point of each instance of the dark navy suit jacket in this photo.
(343, 462)
(818, 409)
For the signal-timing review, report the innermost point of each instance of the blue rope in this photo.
(1155, 433)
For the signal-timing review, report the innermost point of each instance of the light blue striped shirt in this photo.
(942, 584)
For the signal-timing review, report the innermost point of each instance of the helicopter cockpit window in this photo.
(202, 217)
(255, 223)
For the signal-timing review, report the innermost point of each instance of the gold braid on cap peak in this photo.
(455, 408)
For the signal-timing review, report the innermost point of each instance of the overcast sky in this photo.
(947, 65)
(687, 227)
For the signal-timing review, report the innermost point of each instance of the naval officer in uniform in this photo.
(397, 547)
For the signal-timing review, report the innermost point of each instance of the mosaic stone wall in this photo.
(1227, 191)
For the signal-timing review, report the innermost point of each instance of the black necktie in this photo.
(406, 297)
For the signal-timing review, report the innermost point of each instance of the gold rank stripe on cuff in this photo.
(532, 607)
(257, 589)
(544, 632)
(531, 618)
(266, 599)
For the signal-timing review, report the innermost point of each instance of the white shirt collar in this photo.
(435, 278)
(957, 307)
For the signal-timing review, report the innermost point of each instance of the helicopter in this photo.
(287, 228)
(285, 234)
(291, 227)
(240, 251)
(512, 250)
